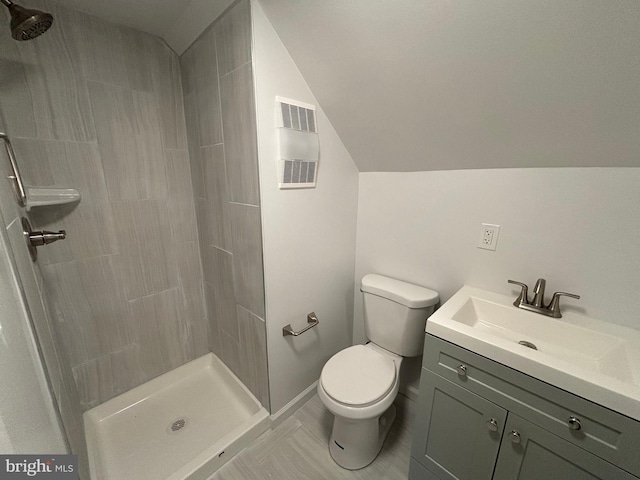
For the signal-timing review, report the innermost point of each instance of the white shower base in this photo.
(131, 435)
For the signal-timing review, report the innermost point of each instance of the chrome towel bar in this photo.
(312, 321)
(16, 179)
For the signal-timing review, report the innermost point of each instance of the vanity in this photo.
(493, 407)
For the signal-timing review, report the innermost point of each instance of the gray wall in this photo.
(219, 103)
(99, 108)
(435, 85)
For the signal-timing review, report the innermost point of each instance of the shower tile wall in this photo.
(218, 94)
(98, 107)
(60, 375)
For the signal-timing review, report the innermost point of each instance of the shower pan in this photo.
(182, 425)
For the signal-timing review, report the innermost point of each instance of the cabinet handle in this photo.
(514, 436)
(462, 370)
(492, 425)
(574, 423)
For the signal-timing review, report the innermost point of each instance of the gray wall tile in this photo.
(100, 47)
(161, 333)
(130, 142)
(207, 94)
(89, 305)
(198, 331)
(253, 354)
(71, 415)
(139, 58)
(217, 204)
(190, 282)
(89, 224)
(248, 274)
(239, 126)
(231, 353)
(147, 255)
(215, 331)
(233, 38)
(107, 376)
(15, 95)
(180, 202)
(167, 85)
(230, 234)
(188, 71)
(57, 102)
(218, 272)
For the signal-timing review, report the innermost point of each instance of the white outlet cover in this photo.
(488, 236)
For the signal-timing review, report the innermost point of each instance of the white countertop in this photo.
(590, 358)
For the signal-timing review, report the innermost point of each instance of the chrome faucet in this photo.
(537, 304)
(538, 293)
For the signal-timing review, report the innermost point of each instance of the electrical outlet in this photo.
(489, 236)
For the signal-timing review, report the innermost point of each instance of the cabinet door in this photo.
(455, 437)
(530, 453)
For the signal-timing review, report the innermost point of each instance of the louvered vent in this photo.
(299, 171)
(298, 144)
(298, 118)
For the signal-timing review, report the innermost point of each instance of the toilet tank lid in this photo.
(408, 294)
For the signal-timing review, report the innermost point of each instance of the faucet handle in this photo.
(554, 305)
(523, 298)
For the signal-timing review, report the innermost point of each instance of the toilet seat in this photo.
(358, 376)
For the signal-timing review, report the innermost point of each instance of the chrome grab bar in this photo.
(312, 321)
(16, 179)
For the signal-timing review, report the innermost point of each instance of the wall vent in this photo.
(299, 171)
(296, 117)
(297, 143)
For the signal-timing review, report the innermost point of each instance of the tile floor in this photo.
(298, 449)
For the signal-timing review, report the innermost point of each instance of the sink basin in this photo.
(597, 360)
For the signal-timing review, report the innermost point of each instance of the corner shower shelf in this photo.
(29, 197)
(44, 196)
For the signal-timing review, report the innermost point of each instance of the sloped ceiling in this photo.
(416, 85)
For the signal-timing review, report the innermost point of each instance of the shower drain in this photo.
(176, 425)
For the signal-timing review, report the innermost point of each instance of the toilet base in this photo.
(354, 444)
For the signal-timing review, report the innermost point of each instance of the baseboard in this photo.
(410, 391)
(293, 406)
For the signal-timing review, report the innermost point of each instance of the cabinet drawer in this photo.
(605, 433)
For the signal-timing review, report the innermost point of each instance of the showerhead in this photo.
(27, 23)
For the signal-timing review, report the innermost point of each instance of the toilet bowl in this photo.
(359, 384)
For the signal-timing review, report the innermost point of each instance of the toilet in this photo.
(359, 384)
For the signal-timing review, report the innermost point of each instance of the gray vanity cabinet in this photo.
(460, 432)
(529, 452)
(480, 420)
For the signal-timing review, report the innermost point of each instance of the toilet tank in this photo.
(395, 313)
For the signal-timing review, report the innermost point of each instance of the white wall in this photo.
(308, 234)
(577, 227)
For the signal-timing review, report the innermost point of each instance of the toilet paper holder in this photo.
(312, 321)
